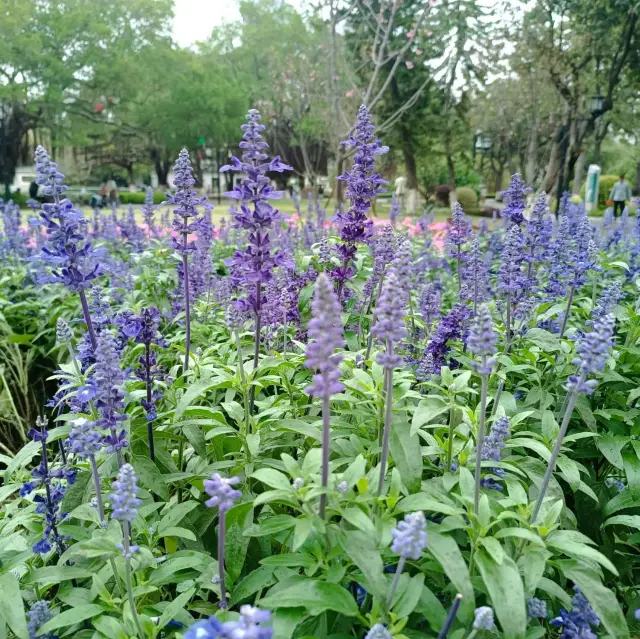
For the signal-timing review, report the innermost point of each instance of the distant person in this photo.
(620, 193)
(33, 190)
(112, 190)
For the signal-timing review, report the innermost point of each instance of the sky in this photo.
(194, 19)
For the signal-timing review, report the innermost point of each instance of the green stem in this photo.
(387, 420)
(452, 410)
(127, 571)
(396, 580)
(221, 533)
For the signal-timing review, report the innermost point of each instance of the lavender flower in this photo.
(223, 495)
(325, 334)
(363, 185)
(537, 608)
(475, 274)
(378, 632)
(221, 491)
(124, 500)
(48, 504)
(516, 198)
(325, 337)
(410, 536)
(248, 626)
(429, 303)
(38, 615)
(143, 329)
(149, 212)
(450, 327)
(108, 379)
(593, 352)
(577, 623)
(389, 324)
(483, 618)
(482, 340)
(84, 440)
(64, 335)
(67, 248)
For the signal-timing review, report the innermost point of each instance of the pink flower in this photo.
(419, 52)
(411, 34)
(350, 93)
(409, 64)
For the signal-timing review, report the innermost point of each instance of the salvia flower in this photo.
(511, 278)
(149, 212)
(325, 337)
(124, 499)
(451, 327)
(38, 615)
(537, 608)
(84, 440)
(516, 198)
(248, 626)
(108, 381)
(475, 274)
(607, 301)
(378, 632)
(482, 339)
(592, 354)
(458, 232)
(253, 266)
(410, 536)
(54, 481)
(363, 185)
(579, 622)
(67, 249)
(389, 325)
(483, 619)
(429, 302)
(64, 335)
(492, 449)
(384, 250)
(220, 490)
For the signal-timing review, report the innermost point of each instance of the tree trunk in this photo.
(161, 167)
(532, 152)
(578, 173)
(130, 172)
(636, 184)
(602, 127)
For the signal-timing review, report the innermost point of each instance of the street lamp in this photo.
(481, 143)
(595, 105)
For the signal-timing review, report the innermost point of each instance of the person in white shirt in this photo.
(620, 193)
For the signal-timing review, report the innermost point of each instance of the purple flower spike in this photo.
(389, 326)
(325, 337)
(537, 608)
(458, 231)
(410, 536)
(516, 198)
(38, 615)
(483, 618)
(84, 440)
(124, 498)
(221, 491)
(579, 621)
(362, 186)
(482, 340)
(593, 352)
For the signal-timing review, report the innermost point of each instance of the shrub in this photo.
(467, 198)
(137, 197)
(442, 194)
(606, 183)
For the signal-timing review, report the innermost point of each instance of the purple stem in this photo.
(147, 374)
(453, 611)
(221, 534)
(187, 302)
(87, 319)
(326, 445)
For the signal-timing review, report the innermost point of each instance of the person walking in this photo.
(620, 193)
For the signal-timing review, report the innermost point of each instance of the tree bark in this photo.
(578, 173)
(532, 151)
(636, 184)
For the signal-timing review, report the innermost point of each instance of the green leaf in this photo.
(11, 606)
(271, 526)
(6, 491)
(194, 435)
(71, 617)
(166, 573)
(176, 531)
(624, 520)
(493, 547)
(545, 340)
(532, 564)
(356, 470)
(427, 409)
(174, 608)
(175, 514)
(57, 574)
(622, 501)
(610, 446)
(359, 520)
(446, 551)
(272, 478)
(150, 476)
(259, 579)
(407, 455)
(632, 471)
(421, 501)
(301, 531)
(22, 459)
(361, 549)
(315, 596)
(408, 594)
(285, 621)
(109, 627)
(521, 533)
(194, 391)
(504, 586)
(431, 607)
(578, 551)
(602, 600)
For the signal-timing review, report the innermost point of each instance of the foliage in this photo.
(605, 184)
(137, 197)
(467, 198)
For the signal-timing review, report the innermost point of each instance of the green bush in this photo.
(137, 197)
(467, 198)
(606, 184)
